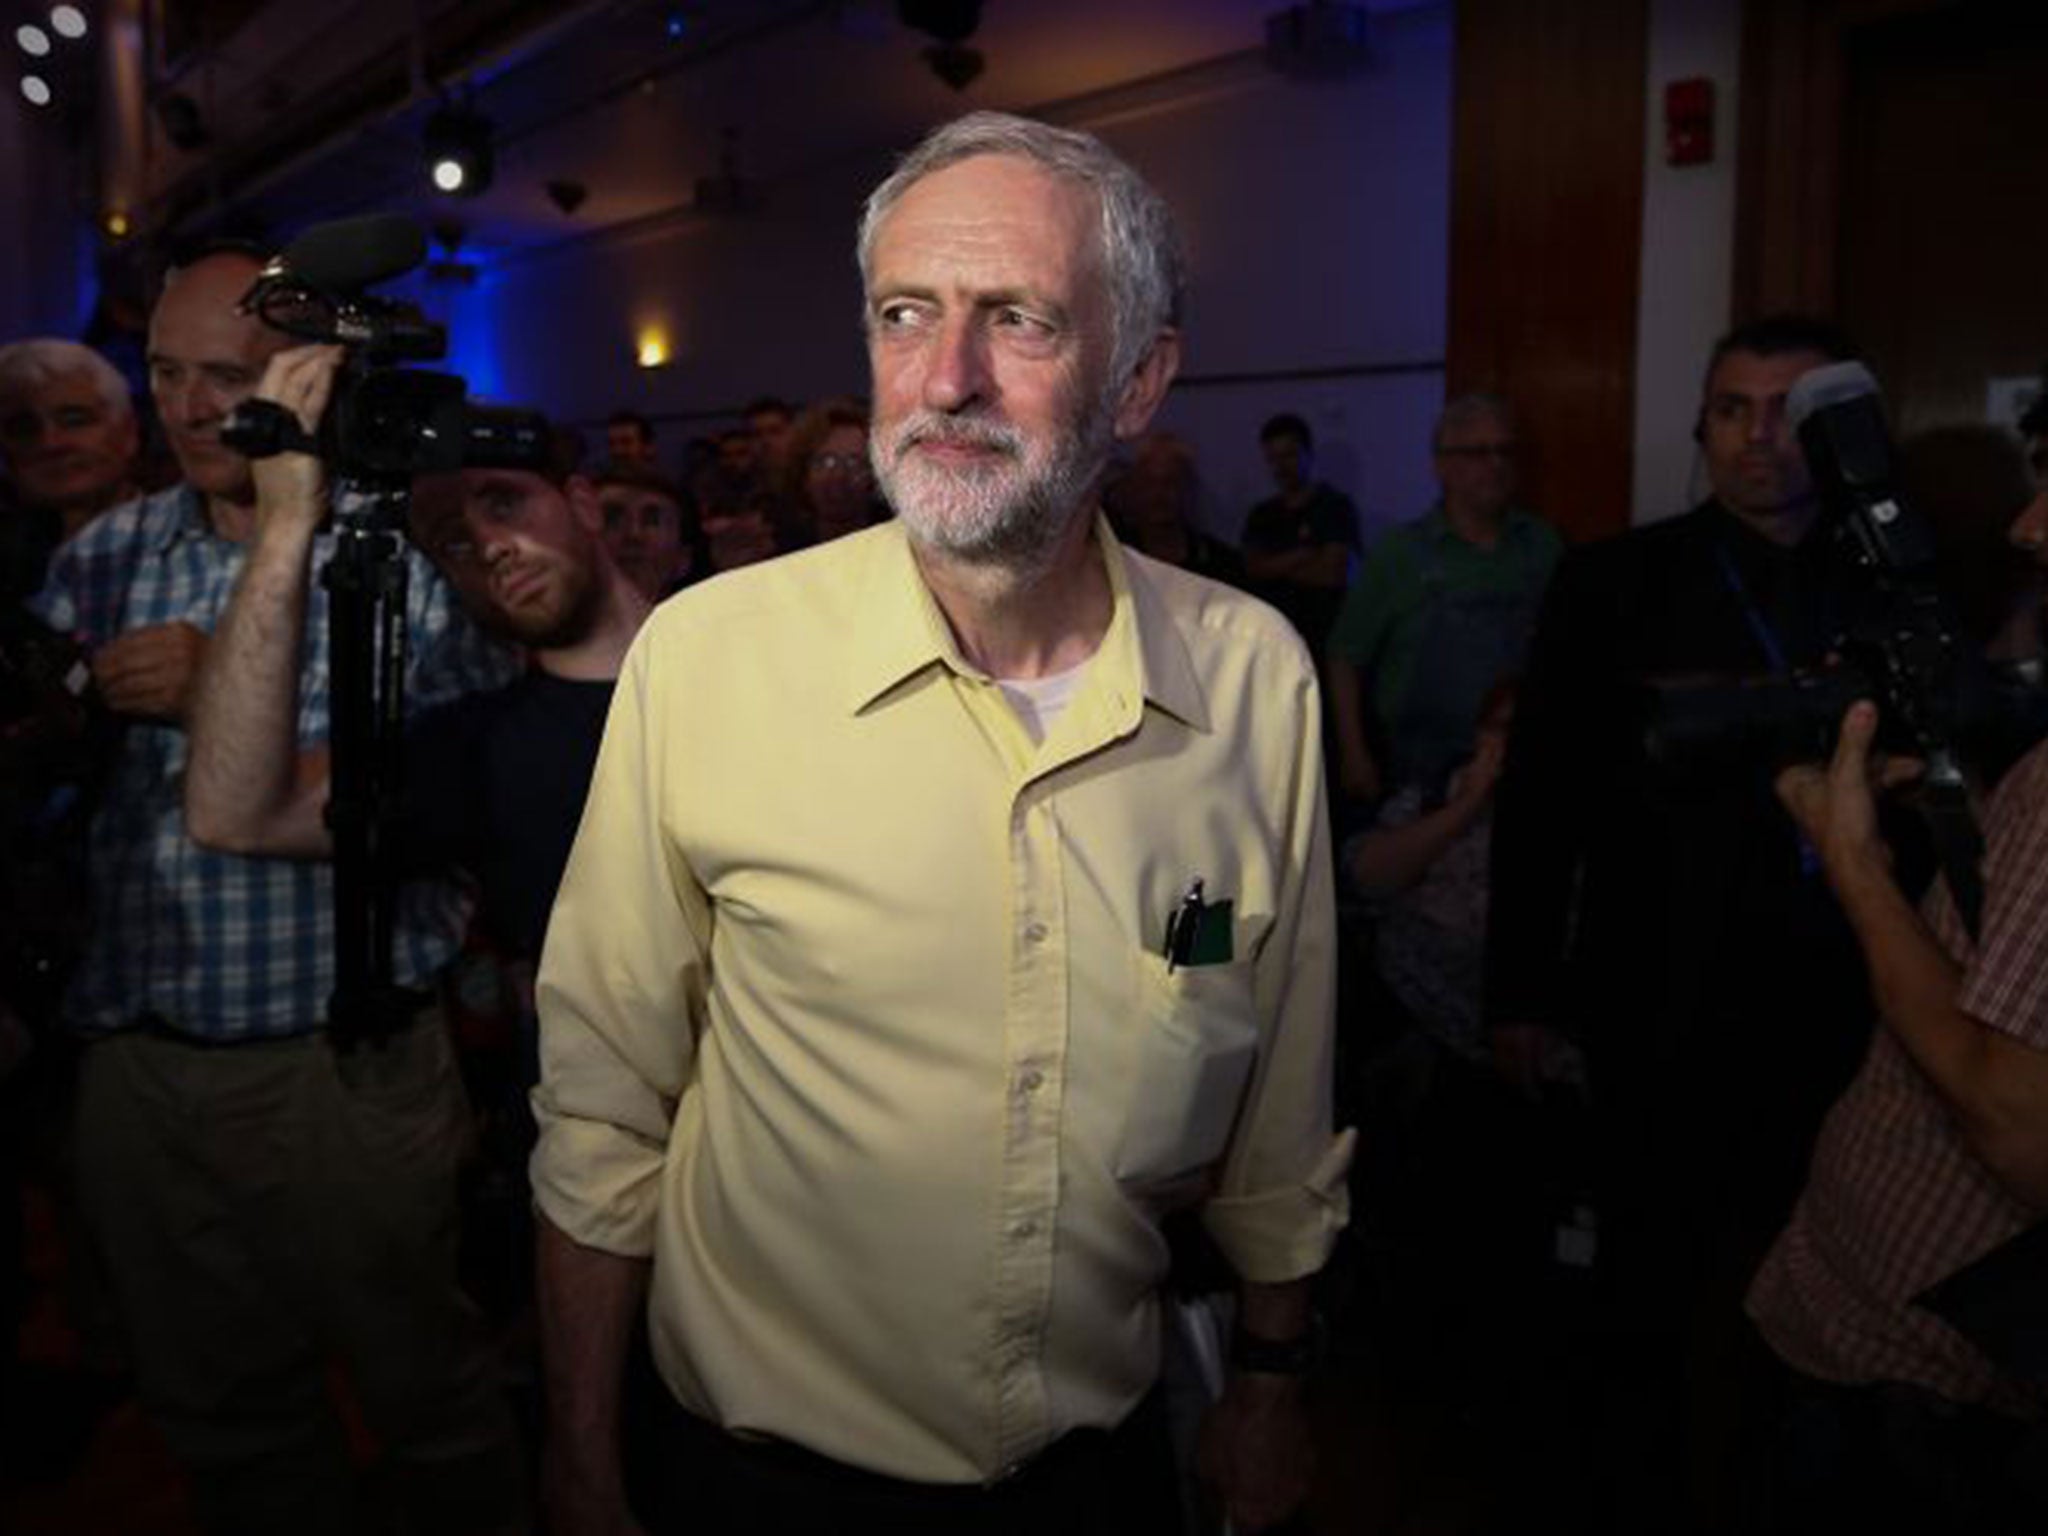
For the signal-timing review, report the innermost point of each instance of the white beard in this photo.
(1011, 513)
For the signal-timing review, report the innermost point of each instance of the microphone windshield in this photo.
(1832, 384)
(349, 255)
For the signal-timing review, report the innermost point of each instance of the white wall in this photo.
(1317, 221)
(1318, 224)
(1688, 249)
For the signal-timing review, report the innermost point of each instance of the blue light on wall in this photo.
(455, 292)
(472, 338)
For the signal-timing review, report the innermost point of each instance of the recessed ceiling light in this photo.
(459, 155)
(36, 89)
(68, 21)
(34, 40)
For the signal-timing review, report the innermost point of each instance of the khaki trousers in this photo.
(266, 1211)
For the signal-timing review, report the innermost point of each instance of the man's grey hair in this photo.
(26, 366)
(1466, 409)
(1141, 255)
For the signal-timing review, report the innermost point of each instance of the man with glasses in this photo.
(1441, 611)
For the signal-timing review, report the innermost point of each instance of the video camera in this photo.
(1898, 644)
(386, 423)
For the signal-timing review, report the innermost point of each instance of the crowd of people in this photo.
(866, 879)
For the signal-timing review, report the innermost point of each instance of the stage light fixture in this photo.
(460, 160)
(950, 23)
(36, 89)
(68, 21)
(116, 225)
(34, 41)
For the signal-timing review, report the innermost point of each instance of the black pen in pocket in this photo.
(1183, 926)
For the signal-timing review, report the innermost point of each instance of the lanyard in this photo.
(1759, 626)
(1774, 653)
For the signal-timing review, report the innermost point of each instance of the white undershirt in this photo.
(1039, 700)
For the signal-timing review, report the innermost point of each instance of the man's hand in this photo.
(1835, 804)
(587, 1300)
(1472, 785)
(1255, 1451)
(1532, 1057)
(291, 488)
(1360, 775)
(150, 672)
(580, 1503)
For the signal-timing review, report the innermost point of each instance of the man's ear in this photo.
(1147, 385)
(581, 494)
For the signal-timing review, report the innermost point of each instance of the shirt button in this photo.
(1023, 1230)
(1031, 1081)
(1035, 933)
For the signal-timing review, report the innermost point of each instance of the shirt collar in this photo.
(903, 633)
(176, 513)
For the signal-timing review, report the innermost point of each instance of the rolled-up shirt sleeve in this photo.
(621, 985)
(1283, 1197)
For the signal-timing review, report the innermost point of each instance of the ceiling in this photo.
(315, 108)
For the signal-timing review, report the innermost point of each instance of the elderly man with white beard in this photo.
(952, 904)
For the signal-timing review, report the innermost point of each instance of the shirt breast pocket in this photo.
(1196, 1042)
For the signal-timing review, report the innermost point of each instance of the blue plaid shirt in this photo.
(215, 946)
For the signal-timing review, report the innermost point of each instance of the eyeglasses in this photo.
(840, 464)
(1479, 450)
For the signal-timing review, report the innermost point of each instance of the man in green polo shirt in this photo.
(1440, 612)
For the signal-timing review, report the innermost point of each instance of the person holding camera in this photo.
(1668, 924)
(1900, 1413)
(491, 784)
(268, 1206)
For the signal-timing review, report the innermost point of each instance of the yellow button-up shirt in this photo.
(854, 1013)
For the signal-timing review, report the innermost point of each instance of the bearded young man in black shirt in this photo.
(1673, 927)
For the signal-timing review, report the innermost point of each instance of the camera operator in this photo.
(1935, 1155)
(265, 1202)
(494, 781)
(1672, 929)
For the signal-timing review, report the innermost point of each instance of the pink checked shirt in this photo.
(1895, 1200)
